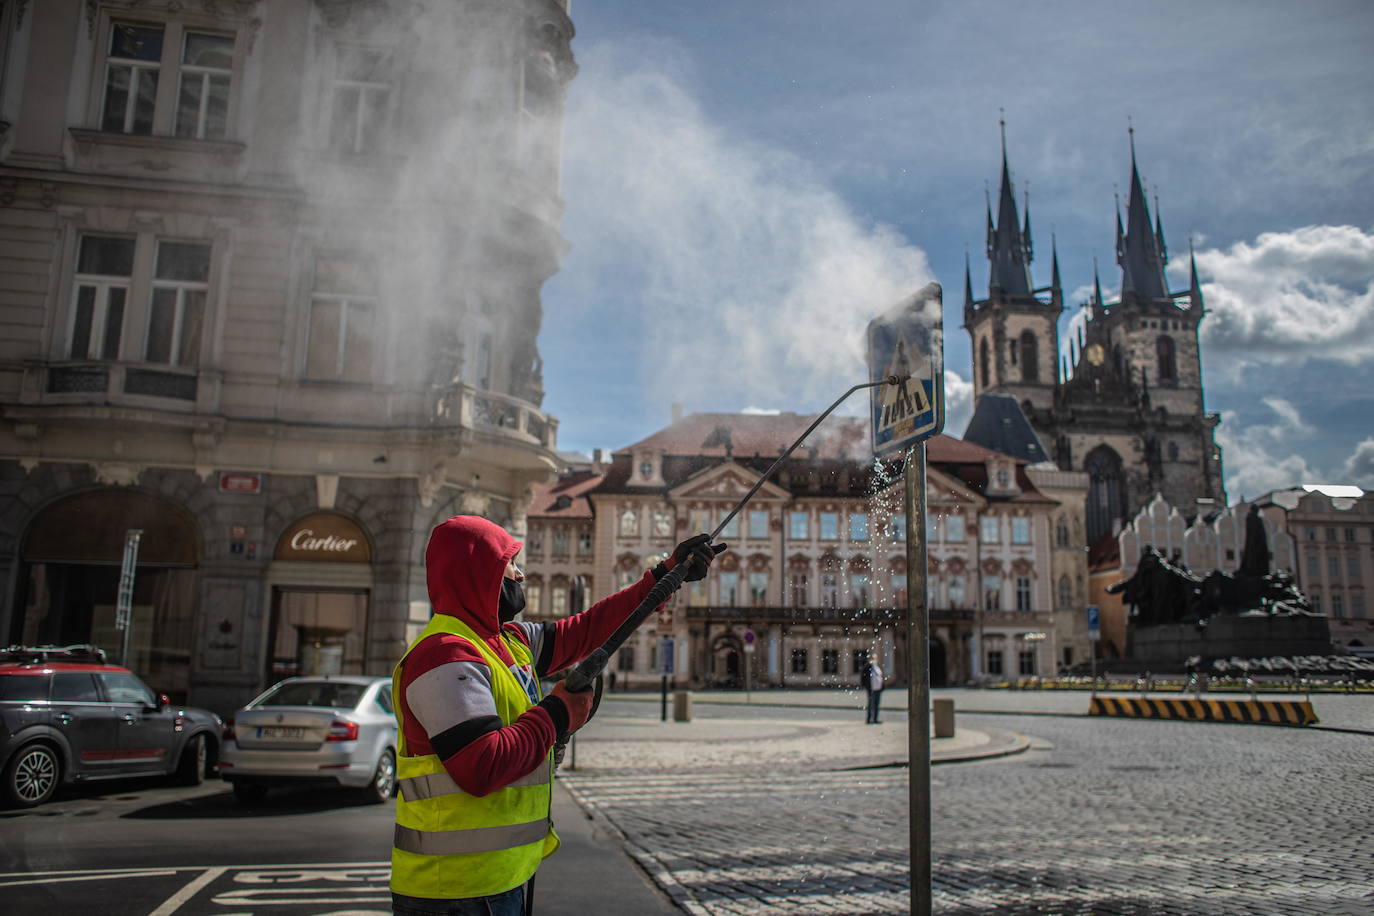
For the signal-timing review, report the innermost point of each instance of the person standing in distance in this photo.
(873, 684)
(475, 735)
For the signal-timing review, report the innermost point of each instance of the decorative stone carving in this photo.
(116, 474)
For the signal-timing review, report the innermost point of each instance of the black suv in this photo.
(66, 715)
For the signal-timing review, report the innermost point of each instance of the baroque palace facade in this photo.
(815, 580)
(270, 282)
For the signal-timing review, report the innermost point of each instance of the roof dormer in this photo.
(647, 468)
(1001, 476)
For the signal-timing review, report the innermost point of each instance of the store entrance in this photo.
(317, 632)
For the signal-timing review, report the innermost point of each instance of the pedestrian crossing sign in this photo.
(907, 342)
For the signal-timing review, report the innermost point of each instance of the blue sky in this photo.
(748, 183)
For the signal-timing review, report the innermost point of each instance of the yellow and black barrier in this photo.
(1257, 712)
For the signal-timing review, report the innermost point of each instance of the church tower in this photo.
(1015, 331)
(1127, 407)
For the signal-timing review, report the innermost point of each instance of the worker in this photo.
(476, 735)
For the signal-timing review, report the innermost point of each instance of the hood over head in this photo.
(464, 563)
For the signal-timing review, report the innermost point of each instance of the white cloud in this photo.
(743, 266)
(1288, 297)
(1259, 458)
(958, 403)
(1359, 467)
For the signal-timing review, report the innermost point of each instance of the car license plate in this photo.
(278, 731)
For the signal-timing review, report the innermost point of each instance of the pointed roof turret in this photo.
(1159, 233)
(1007, 250)
(968, 283)
(1194, 287)
(1142, 265)
(1097, 289)
(1025, 232)
(1056, 288)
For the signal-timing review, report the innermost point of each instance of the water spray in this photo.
(589, 669)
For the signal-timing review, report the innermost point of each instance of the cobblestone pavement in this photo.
(1102, 816)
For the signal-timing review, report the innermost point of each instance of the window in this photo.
(899, 589)
(1065, 592)
(1061, 533)
(799, 661)
(626, 576)
(858, 526)
(988, 530)
(859, 659)
(830, 590)
(830, 526)
(625, 659)
(663, 523)
(898, 528)
(730, 531)
(830, 661)
(799, 583)
(1027, 661)
(534, 593)
(1352, 569)
(798, 526)
(559, 597)
(758, 524)
(1023, 593)
(560, 542)
(341, 322)
(699, 521)
(1020, 530)
(1338, 605)
(104, 266)
(1333, 568)
(362, 94)
(534, 541)
(954, 529)
(629, 522)
(983, 360)
(177, 314)
(1167, 369)
(758, 588)
(992, 593)
(958, 592)
(930, 528)
(1350, 535)
(1030, 360)
(858, 589)
(994, 661)
(1314, 565)
(584, 543)
(1357, 606)
(646, 469)
(125, 688)
(1311, 534)
(729, 588)
(1316, 601)
(74, 687)
(1330, 534)
(696, 594)
(207, 63)
(131, 72)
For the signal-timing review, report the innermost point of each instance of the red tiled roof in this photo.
(566, 498)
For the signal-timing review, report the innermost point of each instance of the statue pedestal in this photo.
(1167, 647)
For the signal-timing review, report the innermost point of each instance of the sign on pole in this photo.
(1094, 623)
(750, 638)
(908, 340)
(124, 599)
(665, 655)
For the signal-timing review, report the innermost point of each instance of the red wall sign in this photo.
(240, 483)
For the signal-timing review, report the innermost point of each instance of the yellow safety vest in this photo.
(452, 845)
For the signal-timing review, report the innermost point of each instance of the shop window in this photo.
(318, 632)
(361, 99)
(341, 329)
(994, 661)
(104, 272)
(176, 316)
(1027, 661)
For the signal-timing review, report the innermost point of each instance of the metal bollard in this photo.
(682, 706)
(944, 718)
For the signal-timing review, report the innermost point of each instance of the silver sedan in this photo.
(336, 729)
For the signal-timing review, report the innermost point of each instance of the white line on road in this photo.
(173, 902)
(94, 876)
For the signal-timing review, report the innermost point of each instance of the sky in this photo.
(747, 184)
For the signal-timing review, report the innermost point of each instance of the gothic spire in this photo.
(1159, 233)
(968, 283)
(1194, 287)
(1138, 252)
(1097, 289)
(1056, 288)
(1007, 249)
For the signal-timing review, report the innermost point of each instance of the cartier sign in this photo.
(324, 538)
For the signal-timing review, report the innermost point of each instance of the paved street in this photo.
(1100, 816)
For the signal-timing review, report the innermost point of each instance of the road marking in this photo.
(171, 904)
(94, 876)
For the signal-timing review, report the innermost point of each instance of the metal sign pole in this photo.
(918, 668)
(124, 602)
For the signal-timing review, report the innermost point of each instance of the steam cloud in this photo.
(745, 268)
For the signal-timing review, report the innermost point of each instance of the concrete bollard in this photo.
(944, 718)
(682, 706)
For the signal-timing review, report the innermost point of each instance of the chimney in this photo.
(597, 458)
(677, 411)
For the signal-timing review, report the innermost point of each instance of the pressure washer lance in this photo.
(586, 672)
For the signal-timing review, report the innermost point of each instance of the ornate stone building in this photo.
(270, 282)
(816, 569)
(1127, 408)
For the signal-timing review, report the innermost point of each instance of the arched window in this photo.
(1167, 371)
(983, 360)
(1061, 533)
(1065, 592)
(1106, 491)
(1030, 363)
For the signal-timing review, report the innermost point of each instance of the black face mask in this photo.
(512, 600)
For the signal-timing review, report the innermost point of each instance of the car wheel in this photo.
(383, 784)
(191, 768)
(32, 776)
(249, 792)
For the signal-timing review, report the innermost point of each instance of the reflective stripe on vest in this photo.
(432, 785)
(473, 839)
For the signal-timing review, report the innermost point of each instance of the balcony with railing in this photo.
(496, 414)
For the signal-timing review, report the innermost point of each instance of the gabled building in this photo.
(815, 579)
(1127, 408)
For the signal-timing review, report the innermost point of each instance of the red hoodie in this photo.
(446, 700)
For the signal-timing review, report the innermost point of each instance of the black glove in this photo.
(698, 552)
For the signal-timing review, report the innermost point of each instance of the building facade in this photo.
(815, 580)
(269, 294)
(1127, 408)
